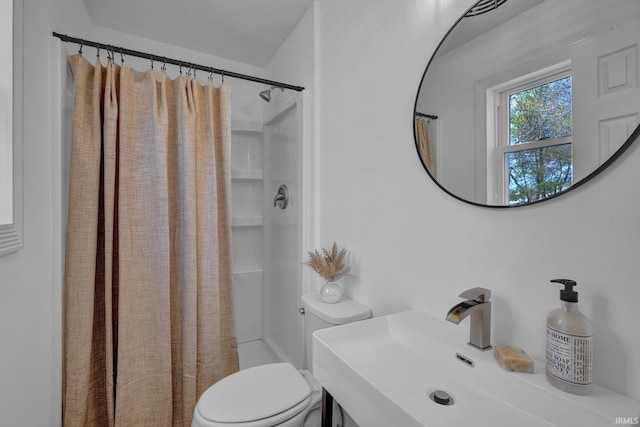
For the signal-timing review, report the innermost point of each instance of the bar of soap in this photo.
(513, 359)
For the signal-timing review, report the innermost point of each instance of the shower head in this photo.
(266, 94)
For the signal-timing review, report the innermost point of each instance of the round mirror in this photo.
(524, 100)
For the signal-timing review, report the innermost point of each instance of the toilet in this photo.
(276, 394)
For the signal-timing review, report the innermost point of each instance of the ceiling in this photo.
(471, 27)
(248, 31)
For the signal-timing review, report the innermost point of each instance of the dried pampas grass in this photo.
(329, 265)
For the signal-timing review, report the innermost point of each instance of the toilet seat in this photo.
(265, 395)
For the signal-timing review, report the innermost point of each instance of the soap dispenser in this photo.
(569, 345)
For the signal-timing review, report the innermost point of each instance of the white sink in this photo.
(383, 370)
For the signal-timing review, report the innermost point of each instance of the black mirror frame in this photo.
(632, 138)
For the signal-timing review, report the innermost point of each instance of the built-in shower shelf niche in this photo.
(247, 225)
(247, 146)
(247, 242)
(247, 174)
(247, 197)
(252, 273)
(242, 126)
(247, 234)
(247, 192)
(246, 221)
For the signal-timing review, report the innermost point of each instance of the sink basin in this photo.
(383, 371)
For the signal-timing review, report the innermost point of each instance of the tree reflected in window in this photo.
(539, 116)
(539, 173)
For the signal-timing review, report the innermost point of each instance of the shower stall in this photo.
(266, 240)
(266, 230)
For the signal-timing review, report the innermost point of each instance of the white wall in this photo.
(29, 290)
(296, 62)
(30, 280)
(415, 247)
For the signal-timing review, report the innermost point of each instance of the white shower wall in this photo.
(265, 239)
(282, 326)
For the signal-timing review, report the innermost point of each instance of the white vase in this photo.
(330, 292)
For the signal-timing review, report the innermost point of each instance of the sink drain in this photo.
(441, 397)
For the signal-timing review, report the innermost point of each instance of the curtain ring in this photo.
(222, 78)
(121, 58)
(210, 78)
(164, 65)
(81, 46)
(180, 66)
(98, 55)
(151, 59)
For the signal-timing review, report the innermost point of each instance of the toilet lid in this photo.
(254, 394)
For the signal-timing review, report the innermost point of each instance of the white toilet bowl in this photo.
(276, 394)
(270, 395)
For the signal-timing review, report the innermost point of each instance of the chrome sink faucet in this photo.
(477, 305)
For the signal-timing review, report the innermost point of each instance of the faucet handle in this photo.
(480, 294)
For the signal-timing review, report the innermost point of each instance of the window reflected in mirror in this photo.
(537, 152)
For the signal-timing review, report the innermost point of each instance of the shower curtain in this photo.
(148, 310)
(424, 143)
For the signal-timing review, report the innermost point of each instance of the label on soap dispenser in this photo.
(569, 357)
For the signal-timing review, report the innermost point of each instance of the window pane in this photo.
(541, 112)
(539, 173)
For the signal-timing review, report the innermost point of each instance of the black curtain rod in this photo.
(165, 60)
(428, 116)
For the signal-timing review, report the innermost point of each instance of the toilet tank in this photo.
(320, 315)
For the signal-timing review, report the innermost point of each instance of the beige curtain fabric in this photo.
(424, 143)
(149, 315)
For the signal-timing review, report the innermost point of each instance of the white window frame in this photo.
(498, 128)
(11, 229)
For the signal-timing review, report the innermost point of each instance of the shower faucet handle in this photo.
(282, 197)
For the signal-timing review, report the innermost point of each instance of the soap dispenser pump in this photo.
(569, 344)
